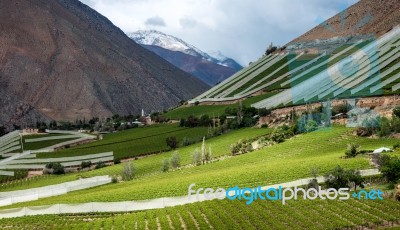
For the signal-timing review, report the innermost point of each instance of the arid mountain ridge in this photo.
(366, 19)
(61, 60)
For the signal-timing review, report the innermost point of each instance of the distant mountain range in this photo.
(210, 68)
(61, 60)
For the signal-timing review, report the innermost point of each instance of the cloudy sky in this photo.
(239, 29)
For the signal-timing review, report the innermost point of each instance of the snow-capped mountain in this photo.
(169, 42)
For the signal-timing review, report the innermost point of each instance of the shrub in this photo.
(264, 126)
(397, 195)
(277, 136)
(235, 148)
(395, 124)
(337, 178)
(264, 112)
(196, 157)
(117, 161)
(385, 128)
(342, 178)
(313, 183)
(191, 121)
(175, 160)
(311, 126)
(396, 111)
(396, 146)
(209, 154)
(339, 109)
(100, 165)
(55, 168)
(172, 142)
(86, 164)
(352, 150)
(114, 179)
(390, 168)
(187, 141)
(129, 171)
(204, 120)
(165, 165)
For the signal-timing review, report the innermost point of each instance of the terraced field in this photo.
(145, 166)
(226, 215)
(133, 142)
(362, 69)
(45, 143)
(213, 110)
(283, 162)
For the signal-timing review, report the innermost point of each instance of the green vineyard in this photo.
(230, 215)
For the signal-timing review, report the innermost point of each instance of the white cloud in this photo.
(155, 21)
(239, 29)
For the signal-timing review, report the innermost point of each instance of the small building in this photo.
(30, 131)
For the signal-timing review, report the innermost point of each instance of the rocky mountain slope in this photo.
(62, 60)
(208, 68)
(364, 19)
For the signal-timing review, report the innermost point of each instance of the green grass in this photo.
(133, 142)
(44, 144)
(146, 166)
(213, 110)
(291, 160)
(225, 214)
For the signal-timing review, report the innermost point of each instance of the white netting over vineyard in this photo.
(8, 198)
(126, 206)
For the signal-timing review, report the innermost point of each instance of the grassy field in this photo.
(145, 166)
(133, 142)
(213, 110)
(293, 159)
(225, 214)
(44, 144)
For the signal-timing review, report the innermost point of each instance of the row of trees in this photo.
(233, 118)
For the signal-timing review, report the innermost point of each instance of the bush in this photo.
(396, 146)
(352, 150)
(385, 128)
(205, 120)
(191, 121)
(196, 157)
(165, 165)
(86, 164)
(175, 160)
(209, 154)
(339, 109)
(264, 112)
(396, 111)
(55, 168)
(187, 141)
(129, 171)
(342, 178)
(311, 126)
(117, 161)
(114, 179)
(277, 136)
(397, 195)
(172, 142)
(235, 148)
(390, 168)
(100, 165)
(313, 183)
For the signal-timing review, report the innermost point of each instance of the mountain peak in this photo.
(169, 42)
